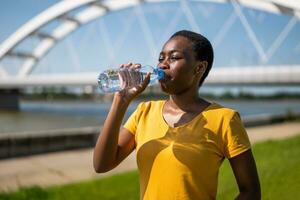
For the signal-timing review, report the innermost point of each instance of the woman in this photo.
(180, 143)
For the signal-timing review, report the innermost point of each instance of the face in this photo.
(178, 60)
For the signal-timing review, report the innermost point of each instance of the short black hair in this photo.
(202, 48)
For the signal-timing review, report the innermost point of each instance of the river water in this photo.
(39, 115)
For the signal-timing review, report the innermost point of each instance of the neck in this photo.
(186, 101)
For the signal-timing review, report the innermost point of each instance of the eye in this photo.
(175, 57)
(161, 59)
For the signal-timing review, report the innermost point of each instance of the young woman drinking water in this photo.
(180, 142)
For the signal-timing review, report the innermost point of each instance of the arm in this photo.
(114, 145)
(245, 172)
(110, 150)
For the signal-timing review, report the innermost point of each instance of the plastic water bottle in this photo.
(113, 80)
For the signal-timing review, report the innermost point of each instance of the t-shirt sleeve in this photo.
(235, 137)
(132, 121)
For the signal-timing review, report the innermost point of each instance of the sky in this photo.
(120, 37)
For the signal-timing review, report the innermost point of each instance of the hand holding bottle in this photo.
(111, 148)
(131, 82)
(129, 77)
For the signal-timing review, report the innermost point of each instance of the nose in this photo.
(163, 65)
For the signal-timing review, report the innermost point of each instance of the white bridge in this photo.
(93, 9)
(279, 75)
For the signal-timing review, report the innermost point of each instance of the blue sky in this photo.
(87, 49)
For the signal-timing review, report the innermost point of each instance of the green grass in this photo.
(278, 163)
(123, 186)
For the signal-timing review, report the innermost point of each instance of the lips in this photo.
(166, 78)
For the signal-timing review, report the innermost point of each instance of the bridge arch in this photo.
(93, 9)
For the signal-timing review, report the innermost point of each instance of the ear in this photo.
(201, 67)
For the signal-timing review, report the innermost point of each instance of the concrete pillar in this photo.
(9, 99)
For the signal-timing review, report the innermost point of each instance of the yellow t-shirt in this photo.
(183, 162)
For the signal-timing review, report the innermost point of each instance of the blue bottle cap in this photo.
(160, 73)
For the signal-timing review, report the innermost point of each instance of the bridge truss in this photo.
(93, 9)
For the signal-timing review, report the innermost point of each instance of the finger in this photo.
(141, 87)
(130, 77)
(146, 81)
(127, 77)
(122, 65)
(135, 74)
(122, 79)
(128, 65)
(137, 65)
(136, 77)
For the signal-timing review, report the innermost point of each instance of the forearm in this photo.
(106, 149)
(245, 172)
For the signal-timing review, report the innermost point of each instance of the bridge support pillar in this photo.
(9, 99)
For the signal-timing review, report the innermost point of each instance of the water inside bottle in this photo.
(109, 82)
(114, 80)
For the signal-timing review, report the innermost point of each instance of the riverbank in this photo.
(155, 92)
(74, 166)
(27, 143)
(35, 116)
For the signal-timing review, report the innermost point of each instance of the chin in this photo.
(173, 90)
(165, 89)
(168, 89)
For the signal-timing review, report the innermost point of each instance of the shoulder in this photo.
(219, 117)
(150, 104)
(220, 111)
(148, 110)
